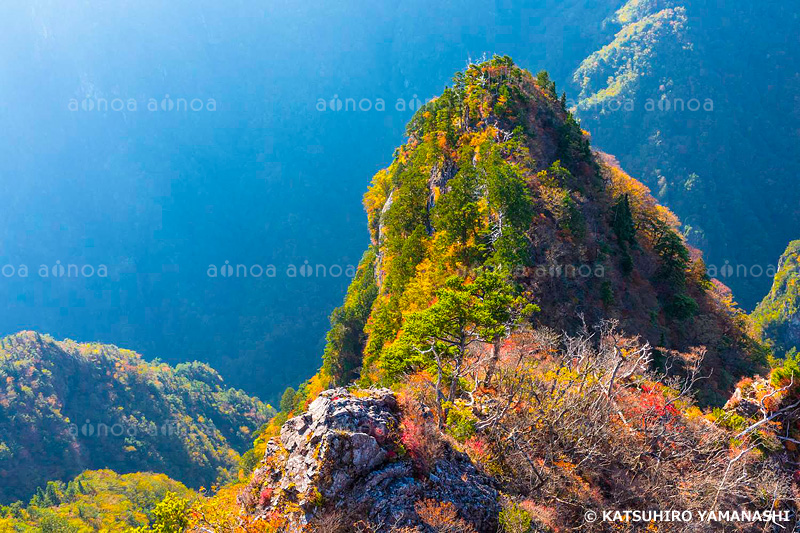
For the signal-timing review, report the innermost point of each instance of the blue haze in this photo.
(265, 178)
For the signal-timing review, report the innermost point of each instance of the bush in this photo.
(420, 437)
(461, 422)
(514, 519)
(442, 517)
(682, 307)
(170, 516)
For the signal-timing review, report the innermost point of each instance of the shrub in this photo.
(461, 422)
(442, 517)
(514, 519)
(420, 437)
(170, 516)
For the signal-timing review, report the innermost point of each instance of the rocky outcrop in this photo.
(345, 455)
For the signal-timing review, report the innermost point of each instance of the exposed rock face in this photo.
(441, 173)
(344, 454)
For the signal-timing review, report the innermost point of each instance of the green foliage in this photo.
(544, 81)
(511, 208)
(169, 516)
(682, 307)
(464, 313)
(607, 293)
(69, 406)
(572, 219)
(573, 147)
(249, 462)
(461, 422)
(613, 71)
(622, 220)
(50, 523)
(675, 262)
(409, 207)
(385, 322)
(729, 420)
(457, 212)
(404, 265)
(674, 257)
(556, 176)
(287, 400)
(787, 369)
(345, 340)
(102, 500)
(514, 519)
(778, 314)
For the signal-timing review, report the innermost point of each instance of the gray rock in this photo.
(344, 454)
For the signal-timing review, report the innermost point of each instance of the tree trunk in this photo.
(492, 363)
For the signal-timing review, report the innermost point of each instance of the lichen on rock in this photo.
(344, 454)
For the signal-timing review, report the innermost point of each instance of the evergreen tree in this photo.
(622, 220)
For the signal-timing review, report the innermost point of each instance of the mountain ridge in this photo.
(66, 407)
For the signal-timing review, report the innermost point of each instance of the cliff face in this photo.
(777, 317)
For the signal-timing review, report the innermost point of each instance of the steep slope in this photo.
(698, 100)
(497, 174)
(66, 407)
(777, 317)
(534, 308)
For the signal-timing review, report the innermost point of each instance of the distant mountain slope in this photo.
(699, 100)
(777, 317)
(66, 407)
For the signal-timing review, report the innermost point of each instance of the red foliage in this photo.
(420, 437)
(266, 496)
(476, 448)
